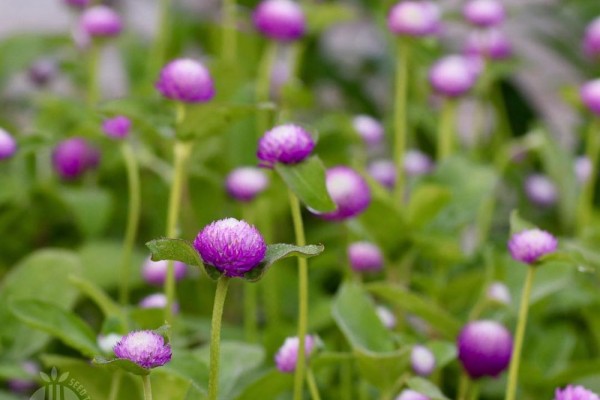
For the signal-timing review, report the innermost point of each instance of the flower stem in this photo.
(133, 218)
(229, 32)
(250, 289)
(147, 387)
(586, 198)
(215, 336)
(400, 123)
(115, 385)
(463, 386)
(515, 359)
(302, 297)
(446, 130)
(93, 88)
(263, 85)
(312, 385)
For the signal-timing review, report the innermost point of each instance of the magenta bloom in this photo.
(187, 81)
(408, 394)
(484, 348)
(117, 127)
(281, 20)
(583, 169)
(452, 76)
(384, 172)
(369, 129)
(417, 163)
(231, 246)
(365, 257)
(575, 393)
(590, 95)
(422, 360)
(101, 22)
(245, 183)
(386, 316)
(414, 18)
(489, 43)
(541, 190)
(42, 71)
(286, 144)
(72, 157)
(529, 245)
(157, 300)
(591, 40)
(498, 292)
(8, 145)
(287, 355)
(145, 348)
(80, 4)
(484, 13)
(349, 191)
(155, 272)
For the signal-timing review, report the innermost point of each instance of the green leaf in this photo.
(276, 252)
(425, 202)
(307, 181)
(101, 261)
(570, 257)
(119, 363)
(97, 295)
(425, 387)
(174, 249)
(518, 224)
(444, 352)
(90, 206)
(49, 318)
(382, 369)
(267, 386)
(323, 15)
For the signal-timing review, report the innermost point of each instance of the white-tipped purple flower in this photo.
(417, 163)
(155, 272)
(231, 246)
(409, 394)
(23, 386)
(8, 145)
(498, 293)
(386, 316)
(484, 348)
(349, 191)
(72, 157)
(384, 172)
(286, 144)
(489, 43)
(575, 393)
(369, 129)
(117, 127)
(365, 257)
(281, 20)
(452, 76)
(529, 245)
(145, 348)
(590, 96)
(591, 40)
(186, 80)
(541, 190)
(157, 300)
(484, 13)
(78, 4)
(422, 360)
(100, 22)
(108, 342)
(583, 169)
(414, 18)
(42, 71)
(287, 355)
(245, 183)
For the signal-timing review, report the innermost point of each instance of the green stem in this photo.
(400, 123)
(513, 372)
(229, 32)
(263, 119)
(133, 218)
(312, 385)
(93, 88)
(115, 385)
(147, 387)
(270, 287)
(250, 290)
(215, 336)
(586, 198)
(464, 385)
(446, 130)
(302, 297)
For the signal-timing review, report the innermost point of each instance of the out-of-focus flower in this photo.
(498, 292)
(384, 172)
(287, 355)
(281, 20)
(42, 71)
(590, 96)
(245, 183)
(155, 272)
(100, 22)
(25, 385)
(365, 256)
(286, 144)
(186, 80)
(541, 190)
(575, 393)
(157, 300)
(489, 43)
(484, 13)
(583, 169)
(369, 129)
(484, 348)
(414, 18)
(422, 360)
(529, 245)
(417, 163)
(117, 127)
(8, 145)
(72, 157)
(349, 191)
(108, 342)
(591, 40)
(408, 394)
(386, 316)
(452, 76)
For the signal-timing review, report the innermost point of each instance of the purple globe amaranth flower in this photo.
(386, 316)
(484, 348)
(365, 257)
(155, 272)
(529, 245)
(286, 144)
(42, 71)
(409, 394)
(8, 145)
(22, 386)
(72, 157)
(583, 169)
(384, 172)
(489, 43)
(231, 246)
(117, 127)
(541, 190)
(498, 293)
(79, 4)
(145, 348)
(100, 22)
(157, 300)
(414, 18)
(484, 13)
(186, 80)
(422, 360)
(245, 183)
(287, 355)
(590, 96)
(369, 129)
(348, 190)
(281, 20)
(417, 163)
(575, 393)
(591, 40)
(452, 76)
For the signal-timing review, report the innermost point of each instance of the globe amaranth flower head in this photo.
(591, 40)
(489, 43)
(287, 355)
(540, 190)
(155, 272)
(583, 168)
(25, 385)
(575, 393)
(79, 4)
(386, 316)
(157, 300)
(498, 292)
(245, 183)
(8, 145)
(286, 144)
(414, 18)
(42, 71)
(348, 190)
(417, 163)
(145, 348)
(186, 80)
(384, 172)
(409, 394)
(72, 157)
(281, 20)
(231, 246)
(369, 129)
(529, 245)
(117, 127)
(365, 257)
(484, 13)
(452, 76)
(422, 360)
(100, 22)
(484, 348)
(590, 96)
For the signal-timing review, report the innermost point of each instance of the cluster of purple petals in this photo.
(117, 127)
(365, 257)
(245, 183)
(590, 96)
(484, 13)
(489, 43)
(591, 40)
(101, 22)
(186, 80)
(575, 393)
(529, 245)
(484, 348)
(145, 348)
(155, 272)
(287, 355)
(73, 157)
(349, 191)
(453, 75)
(414, 18)
(8, 145)
(281, 20)
(369, 129)
(286, 144)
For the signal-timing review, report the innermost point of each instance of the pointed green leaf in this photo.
(518, 224)
(425, 387)
(174, 249)
(119, 363)
(97, 295)
(425, 203)
(276, 252)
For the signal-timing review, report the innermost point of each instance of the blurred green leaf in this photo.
(176, 250)
(518, 224)
(108, 306)
(90, 206)
(321, 16)
(125, 365)
(267, 386)
(425, 202)
(425, 387)
(276, 252)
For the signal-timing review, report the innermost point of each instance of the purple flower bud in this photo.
(157, 300)
(583, 169)
(245, 183)
(414, 18)
(365, 257)
(80, 4)
(100, 21)
(408, 394)
(369, 129)
(72, 157)
(108, 342)
(417, 163)
(540, 190)
(155, 272)
(489, 43)
(484, 13)
(498, 292)
(384, 172)
(231, 246)
(23, 386)
(8, 145)
(349, 191)
(590, 95)
(575, 393)
(145, 348)
(117, 127)
(286, 144)
(422, 360)
(529, 245)
(281, 20)
(187, 81)
(42, 71)
(484, 348)
(452, 76)
(386, 316)
(591, 40)
(287, 355)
